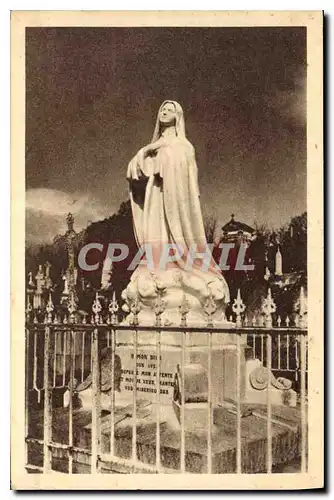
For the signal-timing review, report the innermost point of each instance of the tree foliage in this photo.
(210, 228)
(118, 228)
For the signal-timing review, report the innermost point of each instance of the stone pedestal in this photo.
(172, 288)
(224, 381)
(195, 355)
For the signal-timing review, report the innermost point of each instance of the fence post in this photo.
(238, 405)
(268, 308)
(135, 309)
(269, 412)
(210, 403)
(47, 455)
(159, 308)
(96, 409)
(238, 308)
(303, 402)
(26, 394)
(113, 310)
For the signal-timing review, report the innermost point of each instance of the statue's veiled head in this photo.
(170, 114)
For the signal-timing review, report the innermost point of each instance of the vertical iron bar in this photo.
(238, 404)
(134, 397)
(158, 465)
(96, 410)
(83, 357)
(297, 367)
(26, 394)
(210, 403)
(269, 412)
(70, 408)
(55, 360)
(254, 346)
(34, 378)
(112, 394)
(91, 356)
(183, 455)
(262, 348)
(303, 402)
(306, 356)
(64, 358)
(47, 456)
(157, 444)
(288, 352)
(279, 352)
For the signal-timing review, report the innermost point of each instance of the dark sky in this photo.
(92, 99)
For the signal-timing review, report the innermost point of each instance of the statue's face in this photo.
(167, 114)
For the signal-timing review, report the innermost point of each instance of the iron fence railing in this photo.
(61, 352)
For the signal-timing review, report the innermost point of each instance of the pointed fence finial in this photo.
(210, 307)
(279, 321)
(287, 321)
(238, 308)
(268, 308)
(135, 309)
(97, 308)
(113, 309)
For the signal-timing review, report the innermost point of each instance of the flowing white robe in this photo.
(165, 204)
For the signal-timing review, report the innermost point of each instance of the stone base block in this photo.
(195, 416)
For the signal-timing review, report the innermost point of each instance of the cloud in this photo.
(291, 103)
(46, 211)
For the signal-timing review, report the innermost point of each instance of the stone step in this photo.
(285, 438)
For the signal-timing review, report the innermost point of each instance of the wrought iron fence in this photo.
(63, 350)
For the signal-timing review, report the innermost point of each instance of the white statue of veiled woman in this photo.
(166, 213)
